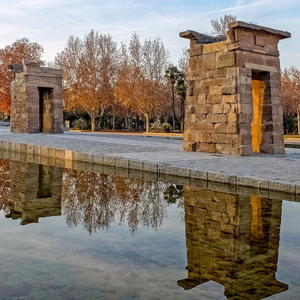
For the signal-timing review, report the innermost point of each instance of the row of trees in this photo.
(131, 80)
(127, 82)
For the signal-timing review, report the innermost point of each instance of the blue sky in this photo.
(51, 22)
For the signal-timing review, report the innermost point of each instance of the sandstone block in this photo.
(232, 117)
(201, 99)
(203, 137)
(206, 147)
(233, 128)
(189, 146)
(218, 138)
(221, 128)
(226, 60)
(221, 118)
(215, 90)
(218, 108)
(200, 117)
(228, 90)
(229, 99)
(215, 47)
(229, 149)
(214, 99)
(190, 109)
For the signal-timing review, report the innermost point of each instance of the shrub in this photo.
(80, 124)
(158, 127)
(166, 127)
(155, 127)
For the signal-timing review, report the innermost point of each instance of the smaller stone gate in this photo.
(233, 101)
(36, 99)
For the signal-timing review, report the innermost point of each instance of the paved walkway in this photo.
(276, 172)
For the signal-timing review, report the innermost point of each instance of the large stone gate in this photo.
(36, 99)
(233, 101)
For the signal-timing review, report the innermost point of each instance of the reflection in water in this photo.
(4, 185)
(91, 199)
(96, 200)
(232, 240)
(35, 191)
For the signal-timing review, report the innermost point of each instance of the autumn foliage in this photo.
(5, 185)
(290, 86)
(89, 68)
(20, 50)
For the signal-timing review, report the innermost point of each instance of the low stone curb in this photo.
(65, 158)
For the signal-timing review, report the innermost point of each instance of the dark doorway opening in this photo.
(262, 124)
(45, 109)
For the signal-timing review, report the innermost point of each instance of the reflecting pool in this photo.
(87, 233)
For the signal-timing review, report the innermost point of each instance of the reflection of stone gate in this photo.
(35, 191)
(232, 240)
(36, 102)
(233, 98)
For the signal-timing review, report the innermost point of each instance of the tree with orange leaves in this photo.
(5, 185)
(140, 84)
(15, 53)
(89, 70)
(290, 87)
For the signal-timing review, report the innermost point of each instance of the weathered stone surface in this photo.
(234, 88)
(122, 162)
(150, 167)
(109, 161)
(36, 100)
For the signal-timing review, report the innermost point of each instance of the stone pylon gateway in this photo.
(36, 99)
(233, 101)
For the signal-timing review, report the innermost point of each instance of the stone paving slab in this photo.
(163, 156)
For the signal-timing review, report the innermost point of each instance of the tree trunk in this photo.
(182, 114)
(130, 123)
(93, 115)
(173, 106)
(298, 116)
(113, 122)
(147, 122)
(93, 123)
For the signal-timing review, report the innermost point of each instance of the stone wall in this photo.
(224, 77)
(36, 99)
(35, 191)
(232, 240)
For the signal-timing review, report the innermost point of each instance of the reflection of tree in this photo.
(5, 185)
(173, 193)
(96, 200)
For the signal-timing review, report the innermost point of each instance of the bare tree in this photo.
(183, 62)
(220, 26)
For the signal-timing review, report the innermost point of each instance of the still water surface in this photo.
(71, 234)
